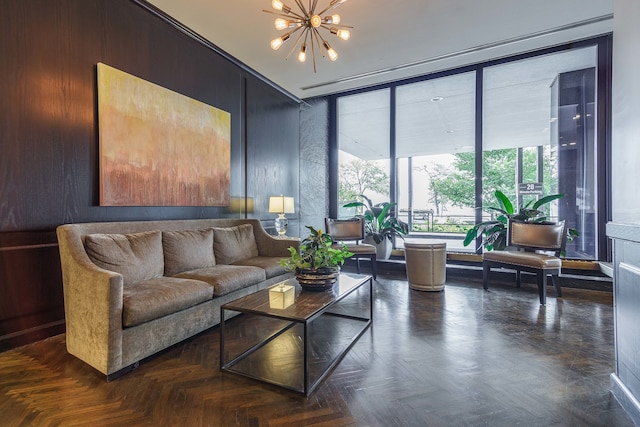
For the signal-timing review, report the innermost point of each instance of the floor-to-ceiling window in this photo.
(538, 138)
(441, 145)
(364, 151)
(435, 151)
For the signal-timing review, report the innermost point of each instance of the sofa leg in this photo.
(123, 371)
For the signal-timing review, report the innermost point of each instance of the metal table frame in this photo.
(309, 384)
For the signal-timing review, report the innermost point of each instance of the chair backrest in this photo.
(537, 235)
(345, 229)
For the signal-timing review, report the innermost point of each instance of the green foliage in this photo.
(379, 220)
(494, 232)
(456, 186)
(315, 251)
(359, 176)
(450, 226)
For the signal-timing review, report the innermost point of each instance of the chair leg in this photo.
(358, 265)
(542, 287)
(485, 275)
(556, 284)
(518, 278)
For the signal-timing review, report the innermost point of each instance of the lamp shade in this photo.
(281, 204)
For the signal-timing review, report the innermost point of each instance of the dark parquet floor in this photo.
(462, 357)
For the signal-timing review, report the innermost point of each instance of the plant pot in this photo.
(383, 249)
(426, 265)
(321, 279)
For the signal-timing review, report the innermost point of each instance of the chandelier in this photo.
(306, 24)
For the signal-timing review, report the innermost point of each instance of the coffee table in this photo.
(298, 346)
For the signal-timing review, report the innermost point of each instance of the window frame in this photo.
(603, 129)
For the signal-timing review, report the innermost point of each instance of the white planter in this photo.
(383, 249)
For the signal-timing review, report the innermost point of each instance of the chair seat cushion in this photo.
(359, 249)
(524, 259)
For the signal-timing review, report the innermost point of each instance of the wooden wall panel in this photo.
(48, 129)
(269, 146)
(31, 306)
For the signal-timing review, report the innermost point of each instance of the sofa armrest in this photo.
(271, 246)
(93, 305)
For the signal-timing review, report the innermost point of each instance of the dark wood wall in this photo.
(48, 135)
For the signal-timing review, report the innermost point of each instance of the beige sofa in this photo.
(132, 289)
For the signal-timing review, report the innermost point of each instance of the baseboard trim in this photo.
(626, 399)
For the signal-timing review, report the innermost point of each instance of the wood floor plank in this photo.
(462, 357)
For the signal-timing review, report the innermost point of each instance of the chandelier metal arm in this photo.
(295, 44)
(302, 8)
(290, 15)
(318, 38)
(334, 4)
(326, 27)
(313, 53)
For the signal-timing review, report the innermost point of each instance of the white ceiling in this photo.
(516, 110)
(392, 39)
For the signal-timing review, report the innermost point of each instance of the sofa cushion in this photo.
(269, 264)
(234, 244)
(226, 278)
(155, 298)
(137, 256)
(187, 250)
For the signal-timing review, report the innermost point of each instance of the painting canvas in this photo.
(158, 147)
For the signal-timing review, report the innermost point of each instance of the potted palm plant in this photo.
(494, 232)
(316, 263)
(380, 225)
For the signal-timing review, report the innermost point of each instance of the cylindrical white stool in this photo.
(426, 265)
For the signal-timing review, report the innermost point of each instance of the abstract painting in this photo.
(158, 147)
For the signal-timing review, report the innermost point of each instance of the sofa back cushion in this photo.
(137, 256)
(187, 250)
(234, 244)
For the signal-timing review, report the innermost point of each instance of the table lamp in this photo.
(281, 205)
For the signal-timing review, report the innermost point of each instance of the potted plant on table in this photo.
(494, 232)
(316, 263)
(380, 225)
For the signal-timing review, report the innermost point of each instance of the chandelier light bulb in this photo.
(333, 19)
(343, 34)
(333, 55)
(302, 56)
(281, 24)
(316, 21)
(278, 5)
(276, 43)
